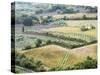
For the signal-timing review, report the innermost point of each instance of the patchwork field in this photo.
(53, 37)
(59, 46)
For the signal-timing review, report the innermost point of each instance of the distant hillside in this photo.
(40, 8)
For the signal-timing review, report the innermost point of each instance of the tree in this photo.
(64, 18)
(49, 19)
(48, 42)
(38, 43)
(28, 47)
(23, 29)
(84, 17)
(28, 21)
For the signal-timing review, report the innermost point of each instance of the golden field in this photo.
(63, 29)
(54, 55)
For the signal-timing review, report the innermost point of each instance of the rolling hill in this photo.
(57, 56)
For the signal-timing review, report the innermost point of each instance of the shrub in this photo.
(56, 69)
(84, 28)
(48, 42)
(29, 63)
(93, 27)
(38, 42)
(64, 18)
(28, 47)
(87, 64)
(84, 17)
(47, 20)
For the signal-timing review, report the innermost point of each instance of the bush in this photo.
(28, 47)
(56, 69)
(93, 27)
(35, 20)
(84, 17)
(48, 42)
(29, 63)
(38, 42)
(64, 18)
(83, 28)
(88, 63)
(47, 20)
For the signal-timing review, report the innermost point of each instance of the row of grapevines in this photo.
(74, 37)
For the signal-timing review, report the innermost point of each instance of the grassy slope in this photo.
(82, 52)
(53, 55)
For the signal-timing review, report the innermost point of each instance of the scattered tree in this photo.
(84, 17)
(28, 47)
(28, 21)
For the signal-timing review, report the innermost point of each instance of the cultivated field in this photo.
(58, 46)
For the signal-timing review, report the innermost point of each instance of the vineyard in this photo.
(67, 40)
